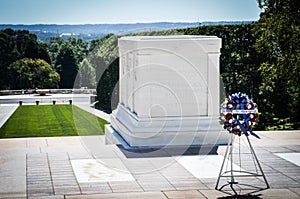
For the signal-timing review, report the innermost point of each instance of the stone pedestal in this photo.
(169, 92)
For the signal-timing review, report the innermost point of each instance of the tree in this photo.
(239, 60)
(107, 88)
(98, 42)
(75, 50)
(80, 48)
(43, 53)
(278, 41)
(15, 45)
(53, 47)
(66, 66)
(32, 73)
(104, 58)
(87, 75)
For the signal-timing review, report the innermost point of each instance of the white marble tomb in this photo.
(169, 92)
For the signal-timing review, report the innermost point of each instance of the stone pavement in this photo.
(90, 109)
(6, 111)
(84, 167)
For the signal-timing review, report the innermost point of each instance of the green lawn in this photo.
(51, 120)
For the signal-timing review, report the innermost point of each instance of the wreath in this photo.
(239, 114)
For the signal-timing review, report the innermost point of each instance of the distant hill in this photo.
(94, 31)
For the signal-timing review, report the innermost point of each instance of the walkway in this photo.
(88, 108)
(84, 167)
(6, 111)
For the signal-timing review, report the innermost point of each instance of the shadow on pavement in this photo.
(242, 197)
(167, 152)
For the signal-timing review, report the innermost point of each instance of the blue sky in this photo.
(125, 11)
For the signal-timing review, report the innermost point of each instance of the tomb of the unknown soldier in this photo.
(169, 92)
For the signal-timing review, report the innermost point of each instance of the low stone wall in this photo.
(48, 99)
(52, 91)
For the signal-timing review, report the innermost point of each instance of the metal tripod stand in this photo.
(234, 172)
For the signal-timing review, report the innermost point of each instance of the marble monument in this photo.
(169, 92)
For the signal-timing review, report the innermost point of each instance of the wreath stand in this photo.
(233, 172)
(240, 150)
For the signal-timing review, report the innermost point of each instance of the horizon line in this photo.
(127, 23)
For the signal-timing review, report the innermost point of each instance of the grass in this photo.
(51, 120)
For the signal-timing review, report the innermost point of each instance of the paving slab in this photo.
(279, 193)
(206, 166)
(145, 195)
(188, 184)
(42, 168)
(212, 194)
(129, 186)
(291, 157)
(96, 170)
(295, 190)
(95, 188)
(6, 111)
(192, 194)
(46, 197)
(13, 187)
(156, 185)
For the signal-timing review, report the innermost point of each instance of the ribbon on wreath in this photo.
(240, 114)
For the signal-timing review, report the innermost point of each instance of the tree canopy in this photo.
(66, 66)
(33, 73)
(278, 42)
(67, 57)
(16, 45)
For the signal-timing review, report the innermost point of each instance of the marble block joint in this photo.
(169, 92)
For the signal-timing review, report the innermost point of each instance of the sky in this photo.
(125, 11)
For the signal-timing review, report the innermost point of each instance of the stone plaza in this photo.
(85, 167)
(70, 167)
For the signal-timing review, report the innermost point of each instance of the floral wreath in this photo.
(239, 114)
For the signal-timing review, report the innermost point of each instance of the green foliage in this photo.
(280, 124)
(32, 73)
(51, 120)
(66, 56)
(66, 66)
(104, 58)
(97, 42)
(239, 61)
(16, 45)
(53, 47)
(87, 75)
(158, 33)
(107, 89)
(278, 41)
(79, 47)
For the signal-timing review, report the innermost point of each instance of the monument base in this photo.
(128, 129)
